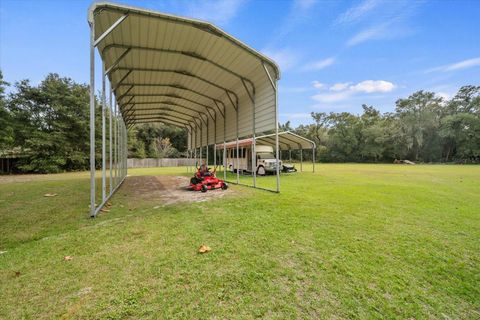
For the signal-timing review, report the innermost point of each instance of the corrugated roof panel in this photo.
(213, 61)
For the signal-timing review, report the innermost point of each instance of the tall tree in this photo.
(52, 124)
(373, 134)
(419, 120)
(460, 128)
(151, 135)
(6, 132)
(344, 136)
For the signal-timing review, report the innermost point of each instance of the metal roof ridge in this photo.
(195, 22)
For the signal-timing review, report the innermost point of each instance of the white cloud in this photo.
(392, 29)
(389, 20)
(217, 11)
(319, 65)
(339, 86)
(346, 90)
(465, 64)
(376, 32)
(444, 95)
(304, 4)
(318, 85)
(332, 97)
(299, 14)
(285, 58)
(357, 12)
(372, 86)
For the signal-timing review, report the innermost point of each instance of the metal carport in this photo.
(288, 140)
(175, 70)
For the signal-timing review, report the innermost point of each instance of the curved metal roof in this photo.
(184, 72)
(287, 141)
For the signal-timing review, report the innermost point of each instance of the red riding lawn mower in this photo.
(204, 180)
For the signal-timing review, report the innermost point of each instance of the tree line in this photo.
(154, 140)
(45, 128)
(424, 127)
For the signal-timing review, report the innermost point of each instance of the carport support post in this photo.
(195, 148)
(104, 151)
(115, 141)
(122, 135)
(276, 137)
(224, 142)
(201, 146)
(110, 183)
(120, 150)
(92, 121)
(119, 146)
(275, 86)
(254, 146)
(238, 171)
(125, 150)
(301, 160)
(313, 159)
(190, 150)
(125, 143)
(119, 141)
(191, 146)
(215, 141)
(189, 143)
(206, 157)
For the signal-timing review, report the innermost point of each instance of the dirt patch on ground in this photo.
(167, 190)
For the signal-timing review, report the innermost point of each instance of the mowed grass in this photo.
(350, 241)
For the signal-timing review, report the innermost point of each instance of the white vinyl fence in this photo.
(153, 162)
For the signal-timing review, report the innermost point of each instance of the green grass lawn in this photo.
(350, 241)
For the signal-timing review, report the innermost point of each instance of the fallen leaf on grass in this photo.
(18, 274)
(104, 210)
(204, 249)
(108, 204)
(67, 258)
(2, 252)
(50, 194)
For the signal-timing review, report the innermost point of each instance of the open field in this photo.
(350, 241)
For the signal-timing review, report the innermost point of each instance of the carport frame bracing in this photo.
(199, 100)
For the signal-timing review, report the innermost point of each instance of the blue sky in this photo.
(334, 55)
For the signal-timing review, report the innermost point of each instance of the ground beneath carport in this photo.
(167, 190)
